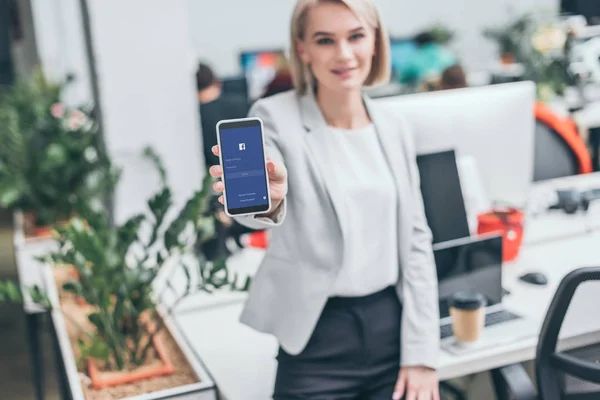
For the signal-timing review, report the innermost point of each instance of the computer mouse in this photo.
(534, 278)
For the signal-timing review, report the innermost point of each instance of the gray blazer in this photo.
(309, 234)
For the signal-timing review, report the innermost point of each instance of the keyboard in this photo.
(491, 319)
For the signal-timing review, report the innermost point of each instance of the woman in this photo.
(349, 235)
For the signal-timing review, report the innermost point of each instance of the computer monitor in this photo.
(589, 9)
(237, 85)
(472, 263)
(494, 124)
(260, 67)
(401, 52)
(442, 196)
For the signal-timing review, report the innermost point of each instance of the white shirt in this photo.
(368, 187)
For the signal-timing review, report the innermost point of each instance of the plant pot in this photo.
(31, 229)
(509, 223)
(34, 231)
(102, 380)
(106, 385)
(507, 58)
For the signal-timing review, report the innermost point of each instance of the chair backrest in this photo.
(560, 374)
(559, 150)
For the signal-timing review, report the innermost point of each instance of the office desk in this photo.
(555, 259)
(242, 361)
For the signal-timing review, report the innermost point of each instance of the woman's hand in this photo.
(277, 180)
(417, 383)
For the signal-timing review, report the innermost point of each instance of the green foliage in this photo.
(51, 160)
(95, 348)
(10, 292)
(509, 37)
(535, 42)
(442, 34)
(119, 268)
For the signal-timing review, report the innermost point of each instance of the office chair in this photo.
(570, 375)
(559, 150)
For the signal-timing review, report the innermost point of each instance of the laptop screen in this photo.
(473, 263)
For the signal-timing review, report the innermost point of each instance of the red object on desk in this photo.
(508, 222)
(259, 240)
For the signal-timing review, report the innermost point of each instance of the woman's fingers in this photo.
(216, 171)
(218, 186)
(221, 200)
(276, 170)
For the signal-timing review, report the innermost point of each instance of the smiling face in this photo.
(338, 45)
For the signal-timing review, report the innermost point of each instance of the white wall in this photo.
(60, 44)
(222, 28)
(148, 96)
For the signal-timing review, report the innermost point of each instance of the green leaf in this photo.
(38, 296)
(95, 319)
(156, 161)
(10, 292)
(246, 286)
(73, 287)
(56, 154)
(97, 349)
(188, 277)
(9, 196)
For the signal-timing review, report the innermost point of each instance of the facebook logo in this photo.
(242, 146)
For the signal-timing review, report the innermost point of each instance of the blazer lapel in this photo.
(395, 154)
(391, 144)
(320, 157)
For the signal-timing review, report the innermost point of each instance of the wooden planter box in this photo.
(205, 389)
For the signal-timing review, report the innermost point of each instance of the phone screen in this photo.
(244, 169)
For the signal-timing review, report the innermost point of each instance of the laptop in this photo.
(475, 263)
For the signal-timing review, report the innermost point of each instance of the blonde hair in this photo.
(381, 67)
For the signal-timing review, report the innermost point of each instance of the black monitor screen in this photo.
(442, 196)
(590, 9)
(473, 263)
(237, 86)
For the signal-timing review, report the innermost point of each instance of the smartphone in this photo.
(244, 164)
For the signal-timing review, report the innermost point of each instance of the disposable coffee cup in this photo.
(467, 310)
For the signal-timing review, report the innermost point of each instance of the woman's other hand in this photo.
(417, 383)
(277, 180)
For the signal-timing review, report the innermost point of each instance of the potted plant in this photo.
(509, 38)
(542, 47)
(442, 34)
(51, 159)
(123, 339)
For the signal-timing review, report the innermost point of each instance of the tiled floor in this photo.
(16, 376)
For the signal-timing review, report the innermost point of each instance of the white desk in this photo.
(243, 363)
(555, 259)
(546, 226)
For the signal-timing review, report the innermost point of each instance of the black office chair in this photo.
(569, 375)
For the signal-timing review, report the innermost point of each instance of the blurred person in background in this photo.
(348, 285)
(453, 77)
(282, 82)
(214, 105)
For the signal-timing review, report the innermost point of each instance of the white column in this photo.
(60, 44)
(147, 88)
